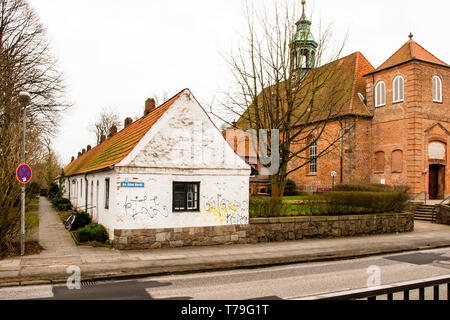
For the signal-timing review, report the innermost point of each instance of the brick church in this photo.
(394, 128)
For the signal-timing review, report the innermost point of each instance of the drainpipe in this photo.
(86, 194)
(373, 95)
(68, 180)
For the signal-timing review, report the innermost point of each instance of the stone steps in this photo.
(424, 213)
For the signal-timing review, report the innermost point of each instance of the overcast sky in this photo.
(115, 54)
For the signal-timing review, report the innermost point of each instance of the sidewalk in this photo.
(104, 263)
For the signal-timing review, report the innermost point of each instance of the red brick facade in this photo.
(392, 145)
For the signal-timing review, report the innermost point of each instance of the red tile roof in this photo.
(344, 80)
(116, 148)
(411, 50)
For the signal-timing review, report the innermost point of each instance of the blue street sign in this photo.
(132, 184)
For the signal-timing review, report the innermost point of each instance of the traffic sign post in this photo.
(23, 173)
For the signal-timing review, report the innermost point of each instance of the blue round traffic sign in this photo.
(23, 173)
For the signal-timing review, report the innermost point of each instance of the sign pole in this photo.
(22, 216)
(24, 100)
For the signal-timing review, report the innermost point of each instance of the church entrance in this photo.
(436, 181)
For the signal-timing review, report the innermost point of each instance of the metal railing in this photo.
(417, 195)
(389, 290)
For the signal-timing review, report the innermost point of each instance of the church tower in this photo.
(303, 48)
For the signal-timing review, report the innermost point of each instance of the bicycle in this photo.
(71, 219)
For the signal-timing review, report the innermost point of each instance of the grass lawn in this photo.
(32, 214)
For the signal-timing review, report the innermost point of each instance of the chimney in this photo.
(150, 105)
(73, 158)
(79, 154)
(83, 151)
(127, 122)
(88, 148)
(112, 131)
(102, 138)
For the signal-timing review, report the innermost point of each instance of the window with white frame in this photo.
(380, 94)
(313, 157)
(399, 89)
(186, 196)
(437, 89)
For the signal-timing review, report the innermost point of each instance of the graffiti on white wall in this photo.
(139, 208)
(226, 211)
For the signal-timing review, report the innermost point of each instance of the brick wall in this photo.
(265, 230)
(402, 131)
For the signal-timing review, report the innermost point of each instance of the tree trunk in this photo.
(278, 184)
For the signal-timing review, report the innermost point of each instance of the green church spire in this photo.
(303, 46)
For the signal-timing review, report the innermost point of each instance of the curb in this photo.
(213, 266)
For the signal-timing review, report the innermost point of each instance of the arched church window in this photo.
(380, 94)
(437, 89)
(399, 89)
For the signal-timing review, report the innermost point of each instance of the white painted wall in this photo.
(224, 197)
(96, 197)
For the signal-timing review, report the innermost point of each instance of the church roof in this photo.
(336, 96)
(117, 147)
(410, 51)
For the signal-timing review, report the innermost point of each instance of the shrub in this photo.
(32, 190)
(53, 190)
(82, 219)
(61, 204)
(290, 188)
(64, 207)
(92, 232)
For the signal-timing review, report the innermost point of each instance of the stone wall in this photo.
(265, 230)
(443, 214)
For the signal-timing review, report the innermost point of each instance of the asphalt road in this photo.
(279, 282)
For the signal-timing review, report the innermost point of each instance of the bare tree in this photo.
(25, 65)
(161, 97)
(106, 119)
(280, 85)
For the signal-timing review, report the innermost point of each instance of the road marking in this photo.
(26, 292)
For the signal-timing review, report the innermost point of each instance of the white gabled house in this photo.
(172, 168)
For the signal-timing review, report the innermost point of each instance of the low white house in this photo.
(172, 168)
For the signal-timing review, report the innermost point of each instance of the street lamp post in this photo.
(333, 175)
(24, 100)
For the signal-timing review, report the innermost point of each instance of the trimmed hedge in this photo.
(365, 202)
(333, 203)
(372, 187)
(92, 232)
